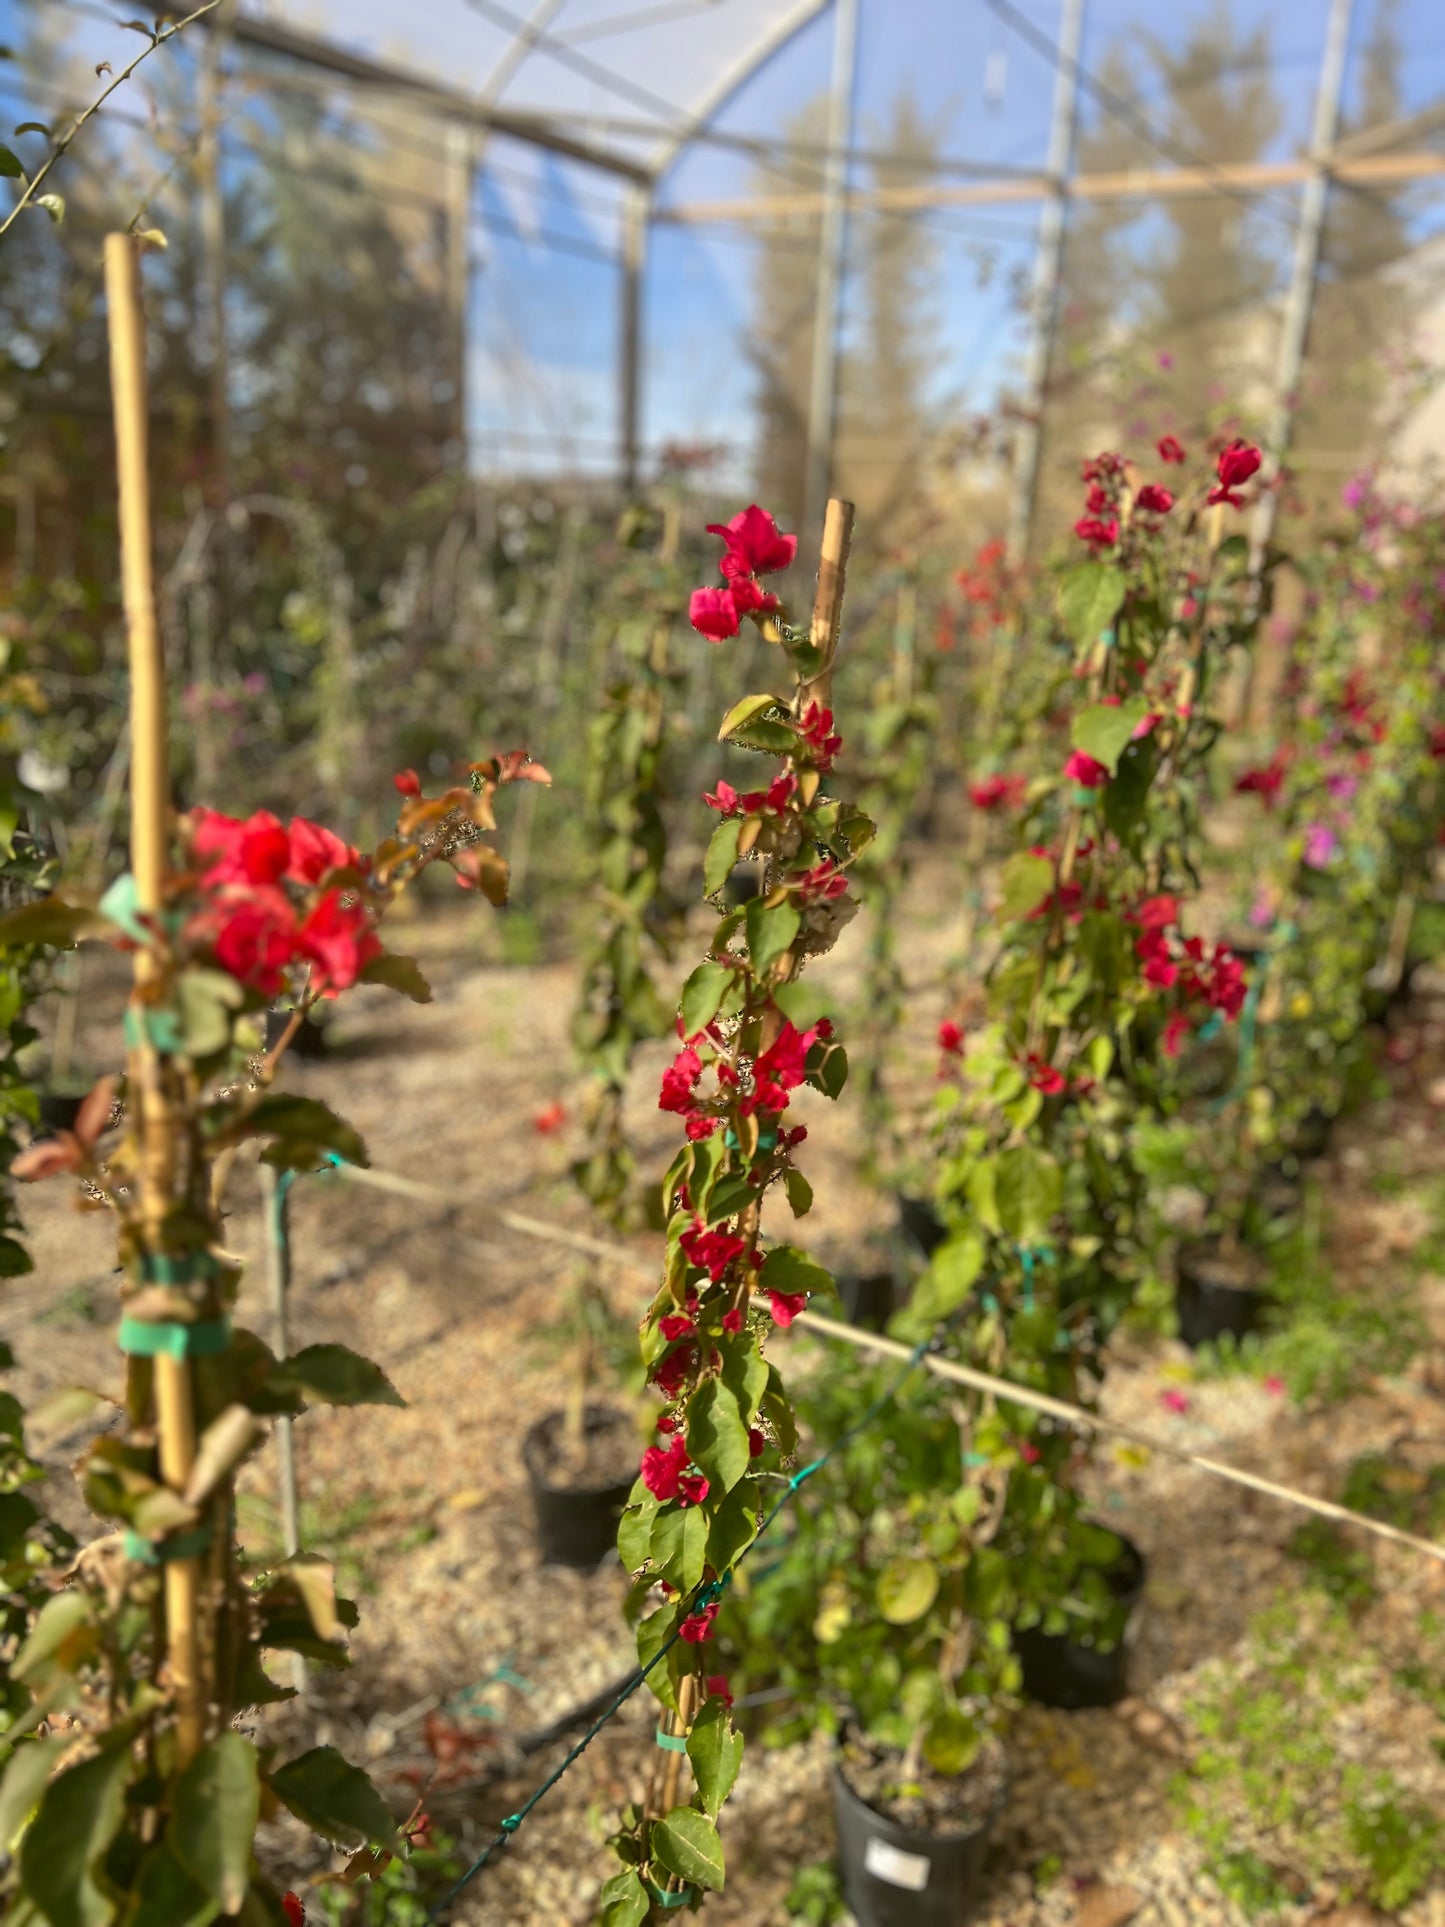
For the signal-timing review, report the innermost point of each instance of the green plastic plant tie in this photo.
(671, 1742)
(179, 1545)
(989, 1302)
(1084, 799)
(159, 1268)
(977, 1458)
(682, 1898)
(161, 1029)
(163, 1338)
(1108, 637)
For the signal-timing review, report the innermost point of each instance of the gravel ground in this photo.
(426, 1512)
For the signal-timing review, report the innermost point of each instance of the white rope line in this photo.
(833, 1328)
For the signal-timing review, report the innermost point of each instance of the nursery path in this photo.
(425, 1510)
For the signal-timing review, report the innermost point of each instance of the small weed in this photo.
(815, 1897)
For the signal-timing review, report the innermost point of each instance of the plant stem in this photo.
(60, 146)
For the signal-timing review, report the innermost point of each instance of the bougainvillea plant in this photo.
(750, 1036)
(128, 1790)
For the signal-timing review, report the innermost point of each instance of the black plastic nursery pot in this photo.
(921, 1225)
(1211, 1299)
(897, 1876)
(59, 1110)
(1060, 1671)
(870, 1300)
(576, 1517)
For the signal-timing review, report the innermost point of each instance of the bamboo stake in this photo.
(150, 839)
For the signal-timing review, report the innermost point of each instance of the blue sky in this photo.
(545, 318)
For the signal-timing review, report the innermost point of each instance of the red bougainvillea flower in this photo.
(732, 1319)
(408, 783)
(339, 941)
(678, 1082)
(757, 1444)
(1173, 1400)
(780, 1069)
(671, 1373)
(1154, 500)
(950, 1037)
(717, 1688)
(256, 939)
(749, 599)
(1099, 532)
(256, 851)
(677, 1324)
(1264, 781)
(816, 731)
(1169, 449)
(1044, 1077)
(697, 1627)
(295, 1913)
(692, 1489)
(1157, 913)
(1029, 1452)
(663, 1467)
(1235, 466)
(1084, 771)
(724, 799)
(997, 792)
(1274, 1385)
(785, 1306)
(315, 852)
(824, 883)
(551, 1118)
(713, 1251)
(1175, 1032)
(713, 613)
(754, 544)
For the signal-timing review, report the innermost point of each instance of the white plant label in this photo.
(899, 1869)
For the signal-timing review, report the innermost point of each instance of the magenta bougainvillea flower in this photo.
(754, 544)
(1084, 771)
(1235, 466)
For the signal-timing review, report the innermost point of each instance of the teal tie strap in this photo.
(671, 1742)
(179, 1545)
(161, 1029)
(162, 1338)
(662, 1898)
(1085, 799)
(160, 1268)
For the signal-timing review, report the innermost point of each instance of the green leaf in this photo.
(10, 165)
(716, 1753)
(778, 1411)
(52, 922)
(770, 932)
(1105, 730)
(1028, 1190)
(215, 1805)
(744, 1372)
(832, 1073)
(29, 1767)
(63, 1630)
(1026, 881)
(207, 999)
(634, 1533)
(334, 1375)
(952, 1274)
(717, 1436)
(734, 1525)
(15, 1260)
(1090, 596)
(906, 1588)
(952, 1741)
(653, 1633)
(165, 1895)
(800, 1192)
(398, 973)
(722, 854)
(623, 1901)
(679, 1545)
(750, 723)
(78, 1817)
(334, 1799)
(304, 1128)
(686, 1843)
(702, 994)
(787, 1269)
(804, 1003)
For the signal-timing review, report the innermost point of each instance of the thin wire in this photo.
(704, 1595)
(1124, 110)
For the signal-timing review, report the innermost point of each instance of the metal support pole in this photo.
(1299, 304)
(1048, 262)
(832, 243)
(275, 1202)
(636, 220)
(461, 161)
